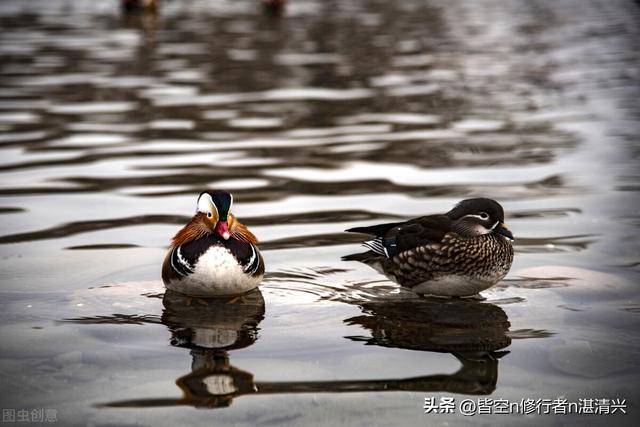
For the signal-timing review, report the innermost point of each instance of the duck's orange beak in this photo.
(222, 228)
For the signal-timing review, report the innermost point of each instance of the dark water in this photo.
(334, 115)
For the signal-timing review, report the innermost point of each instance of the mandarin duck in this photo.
(214, 255)
(460, 253)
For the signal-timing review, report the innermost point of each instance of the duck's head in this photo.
(475, 217)
(215, 208)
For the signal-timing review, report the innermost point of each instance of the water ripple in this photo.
(327, 116)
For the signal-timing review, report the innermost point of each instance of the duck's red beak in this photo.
(222, 228)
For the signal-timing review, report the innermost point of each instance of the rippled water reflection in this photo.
(333, 115)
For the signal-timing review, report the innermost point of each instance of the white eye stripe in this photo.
(480, 217)
(206, 205)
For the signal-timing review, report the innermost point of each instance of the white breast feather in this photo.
(456, 285)
(217, 273)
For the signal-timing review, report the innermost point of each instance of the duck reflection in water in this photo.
(472, 331)
(211, 329)
(215, 325)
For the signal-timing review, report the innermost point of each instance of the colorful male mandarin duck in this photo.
(214, 255)
(460, 253)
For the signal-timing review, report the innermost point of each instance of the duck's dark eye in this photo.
(209, 215)
(484, 215)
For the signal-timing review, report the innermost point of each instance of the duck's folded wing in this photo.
(426, 230)
(183, 258)
(247, 255)
(392, 239)
(375, 230)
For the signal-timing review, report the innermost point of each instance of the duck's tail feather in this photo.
(375, 230)
(364, 257)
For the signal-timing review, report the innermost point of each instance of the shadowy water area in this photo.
(324, 116)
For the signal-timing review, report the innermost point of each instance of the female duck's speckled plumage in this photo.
(460, 253)
(214, 254)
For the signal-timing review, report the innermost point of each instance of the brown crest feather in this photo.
(195, 229)
(240, 231)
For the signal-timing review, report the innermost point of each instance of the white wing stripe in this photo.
(173, 267)
(377, 246)
(257, 265)
(251, 260)
(183, 261)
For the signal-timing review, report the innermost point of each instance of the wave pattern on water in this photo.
(332, 115)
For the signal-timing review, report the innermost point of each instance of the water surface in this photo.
(335, 114)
